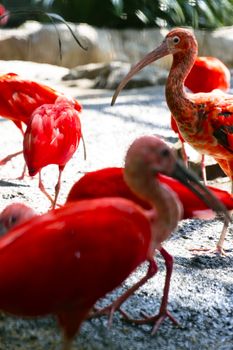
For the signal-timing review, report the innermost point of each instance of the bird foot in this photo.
(217, 250)
(156, 320)
(109, 311)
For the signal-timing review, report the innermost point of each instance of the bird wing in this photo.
(52, 136)
(73, 255)
(20, 97)
(216, 110)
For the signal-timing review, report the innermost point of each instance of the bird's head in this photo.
(14, 214)
(149, 155)
(177, 40)
(180, 39)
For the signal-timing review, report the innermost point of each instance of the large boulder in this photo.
(39, 43)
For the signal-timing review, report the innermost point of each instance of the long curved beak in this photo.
(190, 180)
(154, 55)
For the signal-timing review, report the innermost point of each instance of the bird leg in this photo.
(110, 309)
(219, 246)
(203, 169)
(157, 319)
(184, 154)
(58, 186)
(84, 148)
(21, 177)
(70, 321)
(66, 344)
(43, 190)
(9, 157)
(19, 125)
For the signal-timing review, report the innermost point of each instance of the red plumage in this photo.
(207, 74)
(52, 137)
(5, 14)
(50, 260)
(20, 97)
(109, 182)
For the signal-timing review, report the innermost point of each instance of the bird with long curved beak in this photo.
(205, 120)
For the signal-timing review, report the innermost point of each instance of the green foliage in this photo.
(137, 13)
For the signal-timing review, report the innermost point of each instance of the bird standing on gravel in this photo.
(207, 74)
(52, 137)
(20, 97)
(205, 120)
(109, 182)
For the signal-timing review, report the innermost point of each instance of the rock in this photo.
(218, 43)
(38, 42)
(109, 75)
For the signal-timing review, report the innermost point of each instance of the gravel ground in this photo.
(201, 297)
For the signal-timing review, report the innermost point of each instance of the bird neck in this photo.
(177, 99)
(166, 207)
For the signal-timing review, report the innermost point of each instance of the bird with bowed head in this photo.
(109, 182)
(19, 98)
(204, 120)
(52, 137)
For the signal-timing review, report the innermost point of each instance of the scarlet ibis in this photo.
(204, 119)
(207, 74)
(109, 182)
(52, 137)
(14, 214)
(74, 249)
(20, 97)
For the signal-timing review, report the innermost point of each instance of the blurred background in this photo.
(202, 14)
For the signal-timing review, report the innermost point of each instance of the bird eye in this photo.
(12, 220)
(165, 153)
(176, 40)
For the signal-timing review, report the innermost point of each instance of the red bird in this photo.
(20, 97)
(73, 249)
(52, 137)
(207, 74)
(204, 120)
(109, 182)
(14, 214)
